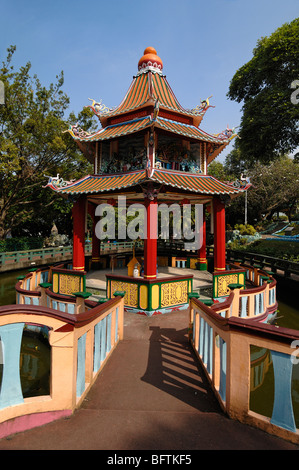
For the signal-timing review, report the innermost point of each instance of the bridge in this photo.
(12, 260)
(151, 395)
(124, 381)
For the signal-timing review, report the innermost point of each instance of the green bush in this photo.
(245, 229)
(274, 248)
(20, 244)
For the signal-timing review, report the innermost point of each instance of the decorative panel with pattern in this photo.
(131, 296)
(174, 293)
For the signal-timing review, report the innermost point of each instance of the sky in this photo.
(97, 44)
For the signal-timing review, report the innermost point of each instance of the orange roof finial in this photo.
(150, 59)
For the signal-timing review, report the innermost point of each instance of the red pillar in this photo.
(202, 255)
(79, 215)
(150, 243)
(219, 234)
(96, 243)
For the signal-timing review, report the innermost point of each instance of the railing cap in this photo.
(235, 286)
(119, 293)
(84, 295)
(46, 285)
(194, 295)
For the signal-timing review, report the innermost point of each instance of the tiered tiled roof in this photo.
(93, 184)
(150, 89)
(128, 127)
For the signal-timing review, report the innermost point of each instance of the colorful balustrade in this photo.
(80, 345)
(223, 343)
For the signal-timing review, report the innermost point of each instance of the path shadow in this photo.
(173, 367)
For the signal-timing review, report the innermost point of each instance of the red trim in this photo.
(79, 213)
(219, 235)
(150, 243)
(202, 250)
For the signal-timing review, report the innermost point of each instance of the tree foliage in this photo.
(275, 188)
(269, 125)
(33, 144)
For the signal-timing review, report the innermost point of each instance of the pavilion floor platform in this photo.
(202, 280)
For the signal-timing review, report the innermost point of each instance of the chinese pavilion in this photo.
(151, 150)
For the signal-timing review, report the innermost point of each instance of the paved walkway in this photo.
(151, 395)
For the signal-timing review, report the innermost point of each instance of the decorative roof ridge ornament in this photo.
(201, 108)
(228, 134)
(243, 183)
(98, 108)
(57, 182)
(77, 131)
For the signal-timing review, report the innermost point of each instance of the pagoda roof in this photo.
(150, 103)
(148, 87)
(128, 127)
(197, 183)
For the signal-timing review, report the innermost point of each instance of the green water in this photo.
(35, 349)
(7, 286)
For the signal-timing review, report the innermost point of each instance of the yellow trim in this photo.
(143, 297)
(155, 296)
(55, 279)
(79, 268)
(148, 277)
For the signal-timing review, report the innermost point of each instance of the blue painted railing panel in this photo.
(201, 336)
(283, 414)
(244, 301)
(222, 382)
(97, 347)
(11, 390)
(108, 337)
(116, 325)
(80, 383)
(103, 338)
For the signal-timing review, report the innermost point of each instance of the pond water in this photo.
(8, 281)
(35, 349)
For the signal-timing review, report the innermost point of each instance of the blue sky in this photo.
(98, 44)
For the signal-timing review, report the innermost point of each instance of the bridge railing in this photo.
(283, 267)
(258, 302)
(35, 288)
(106, 247)
(35, 255)
(46, 255)
(80, 346)
(223, 348)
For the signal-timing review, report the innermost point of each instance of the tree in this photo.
(33, 144)
(275, 188)
(269, 124)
